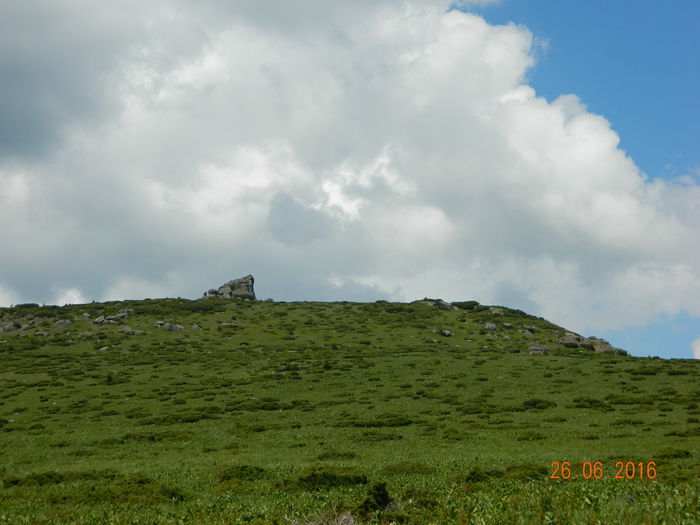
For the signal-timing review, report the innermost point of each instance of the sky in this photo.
(538, 155)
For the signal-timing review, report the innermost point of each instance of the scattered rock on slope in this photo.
(572, 340)
(238, 288)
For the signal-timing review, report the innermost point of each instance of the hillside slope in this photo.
(255, 412)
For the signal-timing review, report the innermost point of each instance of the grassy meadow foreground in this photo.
(224, 411)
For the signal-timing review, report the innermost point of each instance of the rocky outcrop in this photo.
(439, 303)
(169, 327)
(238, 288)
(601, 345)
(572, 340)
(128, 330)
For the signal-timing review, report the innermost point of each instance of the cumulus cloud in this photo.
(7, 296)
(695, 347)
(360, 150)
(69, 296)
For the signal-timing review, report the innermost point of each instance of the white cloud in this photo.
(69, 296)
(7, 296)
(695, 346)
(468, 3)
(375, 148)
(135, 288)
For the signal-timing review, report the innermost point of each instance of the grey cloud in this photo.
(292, 223)
(56, 64)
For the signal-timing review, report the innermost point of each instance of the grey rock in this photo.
(128, 330)
(444, 305)
(490, 326)
(62, 323)
(601, 345)
(159, 324)
(538, 350)
(42, 334)
(496, 311)
(238, 288)
(99, 319)
(571, 340)
(103, 349)
(529, 328)
(439, 303)
(507, 325)
(173, 327)
(445, 333)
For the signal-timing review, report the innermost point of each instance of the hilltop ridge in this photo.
(235, 411)
(507, 326)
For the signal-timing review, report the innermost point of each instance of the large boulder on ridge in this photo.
(238, 288)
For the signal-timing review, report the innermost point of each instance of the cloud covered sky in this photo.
(363, 150)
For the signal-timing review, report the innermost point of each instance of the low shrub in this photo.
(241, 473)
(325, 479)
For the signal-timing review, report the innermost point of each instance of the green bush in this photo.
(377, 499)
(324, 479)
(538, 404)
(466, 305)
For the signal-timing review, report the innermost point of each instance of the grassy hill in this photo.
(266, 412)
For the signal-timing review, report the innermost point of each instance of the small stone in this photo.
(62, 323)
(490, 326)
(445, 333)
(539, 350)
(173, 327)
(100, 319)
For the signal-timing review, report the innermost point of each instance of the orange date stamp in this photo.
(597, 470)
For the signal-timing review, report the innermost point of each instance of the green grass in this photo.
(323, 412)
